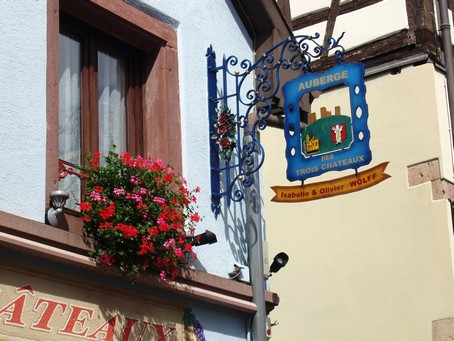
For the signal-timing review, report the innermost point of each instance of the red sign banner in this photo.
(331, 188)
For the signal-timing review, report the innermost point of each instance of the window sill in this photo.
(69, 247)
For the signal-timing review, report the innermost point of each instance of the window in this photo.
(112, 79)
(99, 83)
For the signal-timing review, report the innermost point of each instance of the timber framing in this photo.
(419, 38)
(320, 16)
(418, 43)
(266, 21)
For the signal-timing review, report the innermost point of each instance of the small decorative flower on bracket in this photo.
(225, 134)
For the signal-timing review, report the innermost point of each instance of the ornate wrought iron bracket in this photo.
(235, 162)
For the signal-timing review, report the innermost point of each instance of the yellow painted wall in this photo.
(373, 265)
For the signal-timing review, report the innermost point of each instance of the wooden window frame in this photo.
(92, 41)
(160, 122)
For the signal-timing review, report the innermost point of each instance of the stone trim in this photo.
(430, 171)
(443, 329)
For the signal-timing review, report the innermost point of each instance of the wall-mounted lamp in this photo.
(279, 261)
(236, 271)
(207, 237)
(57, 202)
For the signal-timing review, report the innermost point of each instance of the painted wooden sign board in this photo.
(332, 143)
(39, 308)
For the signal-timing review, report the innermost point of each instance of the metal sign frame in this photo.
(252, 106)
(300, 165)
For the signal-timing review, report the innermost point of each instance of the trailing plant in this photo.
(138, 212)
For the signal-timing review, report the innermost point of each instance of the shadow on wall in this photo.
(240, 220)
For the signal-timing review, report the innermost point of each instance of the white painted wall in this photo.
(215, 23)
(23, 108)
(361, 26)
(372, 265)
(199, 26)
(302, 7)
(371, 23)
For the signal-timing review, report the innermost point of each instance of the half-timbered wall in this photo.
(374, 265)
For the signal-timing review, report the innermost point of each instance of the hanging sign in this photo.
(330, 143)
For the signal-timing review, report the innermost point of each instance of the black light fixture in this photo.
(57, 202)
(279, 261)
(207, 237)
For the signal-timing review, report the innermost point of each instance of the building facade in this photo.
(80, 76)
(375, 263)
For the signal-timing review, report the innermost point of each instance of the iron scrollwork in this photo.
(252, 106)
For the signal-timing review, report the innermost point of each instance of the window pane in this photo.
(69, 112)
(111, 102)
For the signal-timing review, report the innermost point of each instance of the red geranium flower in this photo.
(85, 206)
(134, 207)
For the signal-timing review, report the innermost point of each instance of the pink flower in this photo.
(134, 196)
(96, 196)
(134, 180)
(168, 244)
(179, 253)
(163, 275)
(159, 200)
(157, 165)
(143, 191)
(119, 191)
(140, 162)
